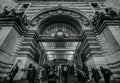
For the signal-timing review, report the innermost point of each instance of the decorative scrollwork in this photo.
(61, 11)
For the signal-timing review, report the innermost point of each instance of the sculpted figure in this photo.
(111, 12)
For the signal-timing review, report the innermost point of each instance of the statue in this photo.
(11, 12)
(111, 13)
(95, 18)
(15, 14)
(100, 16)
(5, 12)
(24, 20)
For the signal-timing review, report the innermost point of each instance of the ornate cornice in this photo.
(106, 22)
(60, 10)
(44, 17)
(13, 21)
(103, 19)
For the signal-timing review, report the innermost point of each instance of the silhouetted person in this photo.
(40, 74)
(29, 71)
(85, 69)
(52, 77)
(65, 73)
(96, 75)
(81, 76)
(47, 70)
(13, 73)
(106, 74)
(32, 75)
(72, 70)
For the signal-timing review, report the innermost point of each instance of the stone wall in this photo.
(111, 46)
(9, 3)
(8, 39)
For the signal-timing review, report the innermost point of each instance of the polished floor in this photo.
(71, 79)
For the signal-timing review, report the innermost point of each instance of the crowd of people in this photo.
(61, 72)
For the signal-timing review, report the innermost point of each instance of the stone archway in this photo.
(73, 14)
(79, 20)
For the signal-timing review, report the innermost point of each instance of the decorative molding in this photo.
(60, 10)
(13, 21)
(99, 28)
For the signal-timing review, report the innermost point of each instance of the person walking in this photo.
(85, 69)
(81, 76)
(13, 73)
(32, 75)
(29, 71)
(52, 78)
(65, 73)
(40, 74)
(106, 74)
(96, 75)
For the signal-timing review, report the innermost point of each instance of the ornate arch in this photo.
(73, 14)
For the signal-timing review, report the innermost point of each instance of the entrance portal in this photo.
(65, 33)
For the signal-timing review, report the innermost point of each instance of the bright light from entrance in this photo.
(69, 57)
(70, 52)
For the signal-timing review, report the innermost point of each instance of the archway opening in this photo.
(60, 27)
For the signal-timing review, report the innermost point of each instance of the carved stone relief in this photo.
(63, 12)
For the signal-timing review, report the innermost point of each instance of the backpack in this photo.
(108, 72)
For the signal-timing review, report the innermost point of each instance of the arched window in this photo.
(53, 28)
